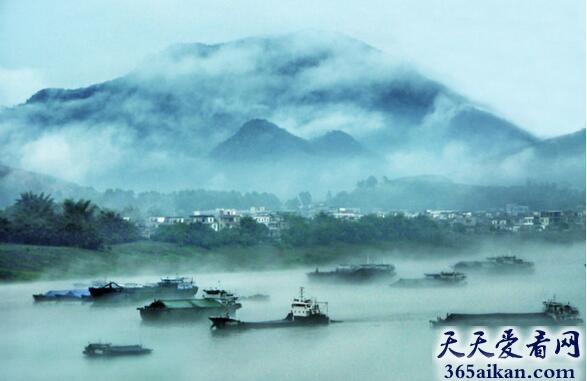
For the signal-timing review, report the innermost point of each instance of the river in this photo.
(385, 333)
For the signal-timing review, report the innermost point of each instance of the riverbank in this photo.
(29, 262)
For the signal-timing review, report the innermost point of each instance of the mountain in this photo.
(154, 127)
(562, 146)
(14, 181)
(338, 144)
(560, 159)
(259, 141)
(436, 192)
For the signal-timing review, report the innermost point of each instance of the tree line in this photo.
(322, 230)
(36, 219)
(325, 230)
(247, 233)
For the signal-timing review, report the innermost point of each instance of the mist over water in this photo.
(385, 333)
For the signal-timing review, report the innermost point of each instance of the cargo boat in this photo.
(441, 279)
(355, 273)
(63, 295)
(553, 314)
(109, 350)
(213, 302)
(304, 312)
(166, 287)
(500, 265)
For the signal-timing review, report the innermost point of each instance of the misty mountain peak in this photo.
(183, 101)
(337, 142)
(259, 139)
(256, 127)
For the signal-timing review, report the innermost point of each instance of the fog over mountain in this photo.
(307, 111)
(260, 141)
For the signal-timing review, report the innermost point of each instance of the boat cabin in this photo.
(560, 310)
(305, 307)
(179, 283)
(219, 295)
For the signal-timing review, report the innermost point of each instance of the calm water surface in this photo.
(385, 334)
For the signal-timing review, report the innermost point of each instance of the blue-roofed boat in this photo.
(63, 295)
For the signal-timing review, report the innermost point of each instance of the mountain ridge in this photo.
(258, 140)
(158, 122)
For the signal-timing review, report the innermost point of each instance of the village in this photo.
(512, 218)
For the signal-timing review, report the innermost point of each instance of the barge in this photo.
(213, 302)
(498, 265)
(553, 314)
(441, 279)
(355, 273)
(165, 288)
(109, 350)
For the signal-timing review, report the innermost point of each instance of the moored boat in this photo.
(304, 312)
(499, 265)
(355, 273)
(165, 288)
(63, 295)
(553, 314)
(441, 279)
(213, 302)
(107, 350)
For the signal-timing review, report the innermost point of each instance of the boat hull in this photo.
(104, 294)
(483, 267)
(183, 314)
(504, 319)
(106, 350)
(289, 321)
(417, 283)
(352, 277)
(63, 295)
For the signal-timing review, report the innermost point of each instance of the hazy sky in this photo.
(523, 59)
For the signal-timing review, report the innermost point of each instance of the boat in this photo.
(213, 301)
(500, 264)
(219, 295)
(63, 295)
(441, 279)
(553, 314)
(304, 312)
(107, 350)
(166, 287)
(355, 273)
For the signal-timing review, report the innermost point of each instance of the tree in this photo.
(292, 204)
(77, 224)
(370, 182)
(251, 231)
(33, 219)
(305, 199)
(5, 230)
(112, 228)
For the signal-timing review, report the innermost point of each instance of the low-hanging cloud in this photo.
(155, 128)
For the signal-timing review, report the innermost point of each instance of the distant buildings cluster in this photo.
(220, 219)
(513, 218)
